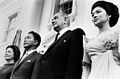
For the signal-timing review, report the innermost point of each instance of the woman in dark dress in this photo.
(12, 54)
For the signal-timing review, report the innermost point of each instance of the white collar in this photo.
(29, 52)
(63, 31)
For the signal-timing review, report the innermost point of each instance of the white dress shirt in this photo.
(63, 31)
(27, 54)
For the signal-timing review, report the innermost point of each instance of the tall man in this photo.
(28, 66)
(63, 59)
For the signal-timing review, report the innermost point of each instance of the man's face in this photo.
(29, 41)
(58, 22)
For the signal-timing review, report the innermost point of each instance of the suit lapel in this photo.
(55, 42)
(26, 58)
(16, 64)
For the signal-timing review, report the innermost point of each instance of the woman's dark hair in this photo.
(16, 51)
(110, 8)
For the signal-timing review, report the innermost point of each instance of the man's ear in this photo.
(65, 18)
(36, 42)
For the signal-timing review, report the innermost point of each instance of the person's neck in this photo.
(104, 28)
(63, 28)
(10, 61)
(31, 48)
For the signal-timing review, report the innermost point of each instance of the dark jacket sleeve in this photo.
(74, 66)
(36, 69)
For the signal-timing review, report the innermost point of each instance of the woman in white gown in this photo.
(101, 58)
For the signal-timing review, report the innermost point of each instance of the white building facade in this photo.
(18, 17)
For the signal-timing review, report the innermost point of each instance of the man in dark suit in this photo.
(28, 66)
(63, 59)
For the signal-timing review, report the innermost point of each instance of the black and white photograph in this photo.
(59, 39)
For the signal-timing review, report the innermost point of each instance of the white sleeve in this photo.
(86, 57)
(86, 61)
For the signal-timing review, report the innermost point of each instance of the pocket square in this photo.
(28, 61)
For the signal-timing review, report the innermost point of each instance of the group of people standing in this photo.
(69, 56)
(62, 59)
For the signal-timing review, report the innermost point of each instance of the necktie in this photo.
(23, 56)
(56, 36)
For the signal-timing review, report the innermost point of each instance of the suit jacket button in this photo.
(43, 61)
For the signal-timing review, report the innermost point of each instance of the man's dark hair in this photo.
(36, 37)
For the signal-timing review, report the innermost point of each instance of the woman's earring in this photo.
(110, 16)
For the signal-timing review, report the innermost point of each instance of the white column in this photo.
(31, 14)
